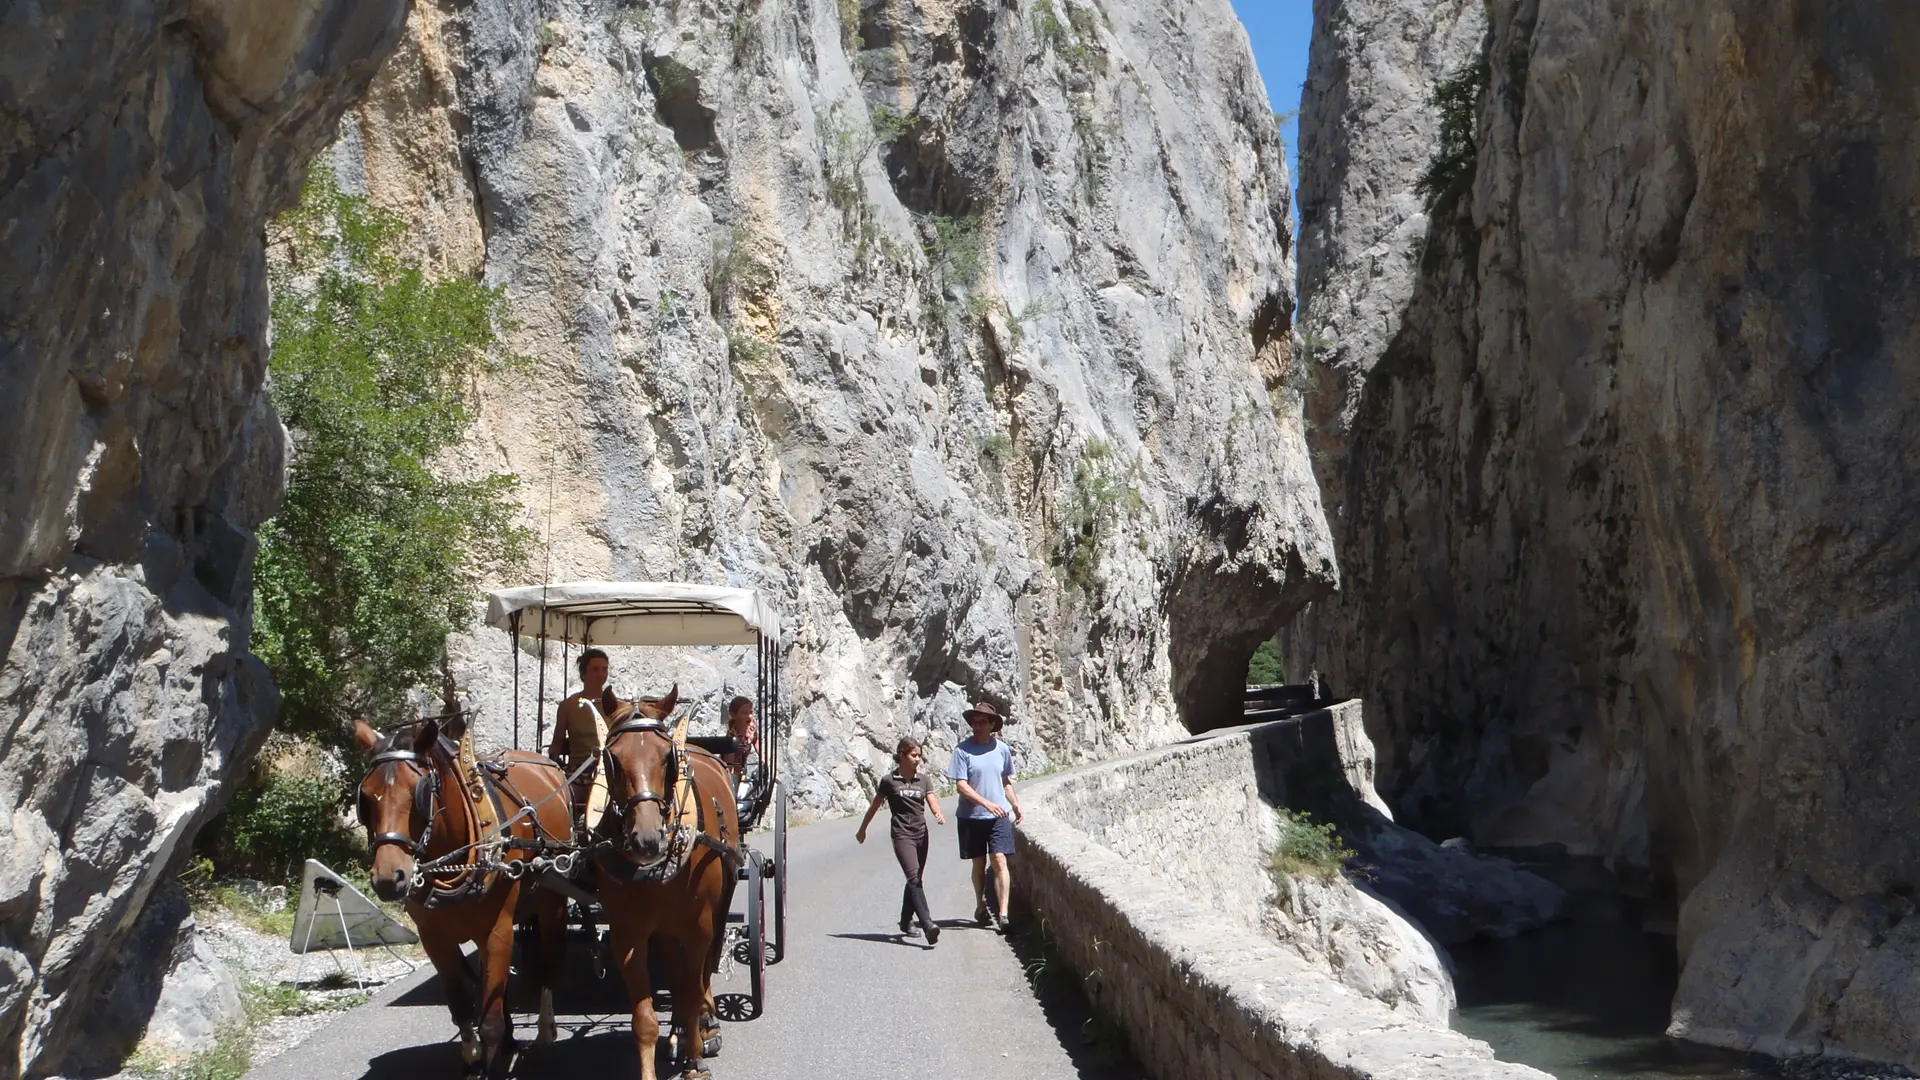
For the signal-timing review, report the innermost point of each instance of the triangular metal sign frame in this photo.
(335, 915)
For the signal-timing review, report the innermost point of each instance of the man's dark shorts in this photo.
(985, 836)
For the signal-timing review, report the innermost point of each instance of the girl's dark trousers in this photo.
(912, 853)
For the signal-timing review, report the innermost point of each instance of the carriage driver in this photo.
(581, 722)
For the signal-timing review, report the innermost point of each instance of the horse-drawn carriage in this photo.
(601, 614)
(477, 846)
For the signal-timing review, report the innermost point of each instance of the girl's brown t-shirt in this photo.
(907, 801)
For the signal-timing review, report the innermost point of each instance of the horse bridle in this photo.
(426, 791)
(668, 803)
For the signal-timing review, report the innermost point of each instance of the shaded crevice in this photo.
(925, 179)
(676, 93)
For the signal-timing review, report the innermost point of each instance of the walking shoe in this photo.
(909, 930)
(981, 916)
(933, 935)
(1001, 923)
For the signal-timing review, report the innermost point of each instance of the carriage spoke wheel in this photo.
(757, 935)
(779, 872)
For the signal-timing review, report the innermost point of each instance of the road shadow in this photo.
(591, 1010)
(600, 1053)
(1095, 1044)
(887, 939)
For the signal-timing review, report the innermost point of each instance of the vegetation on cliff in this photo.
(378, 553)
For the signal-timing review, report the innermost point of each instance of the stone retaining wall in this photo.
(1149, 875)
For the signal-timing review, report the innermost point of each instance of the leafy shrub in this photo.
(753, 353)
(1046, 23)
(850, 15)
(739, 270)
(847, 147)
(269, 830)
(890, 123)
(996, 448)
(1100, 492)
(1070, 37)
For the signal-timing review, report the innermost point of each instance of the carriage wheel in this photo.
(779, 872)
(756, 936)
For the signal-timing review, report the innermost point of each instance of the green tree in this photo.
(377, 555)
(1264, 668)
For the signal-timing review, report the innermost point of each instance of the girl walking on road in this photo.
(908, 796)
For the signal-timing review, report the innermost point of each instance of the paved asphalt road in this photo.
(852, 998)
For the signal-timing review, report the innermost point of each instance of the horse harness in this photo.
(471, 865)
(682, 786)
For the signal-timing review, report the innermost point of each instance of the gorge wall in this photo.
(142, 146)
(1617, 448)
(961, 327)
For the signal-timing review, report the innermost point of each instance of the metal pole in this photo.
(540, 695)
(513, 642)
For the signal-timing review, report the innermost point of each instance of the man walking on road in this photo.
(983, 769)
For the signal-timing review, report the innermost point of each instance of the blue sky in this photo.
(1280, 30)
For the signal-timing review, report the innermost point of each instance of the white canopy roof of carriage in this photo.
(636, 613)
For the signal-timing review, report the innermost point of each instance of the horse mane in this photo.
(402, 738)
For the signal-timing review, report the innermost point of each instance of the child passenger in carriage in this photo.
(745, 731)
(908, 795)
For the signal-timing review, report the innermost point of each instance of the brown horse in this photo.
(671, 853)
(423, 825)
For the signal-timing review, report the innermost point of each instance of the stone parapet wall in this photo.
(1148, 873)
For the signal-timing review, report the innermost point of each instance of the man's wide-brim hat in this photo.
(985, 711)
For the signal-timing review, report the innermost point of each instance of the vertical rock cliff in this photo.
(962, 327)
(1622, 472)
(142, 146)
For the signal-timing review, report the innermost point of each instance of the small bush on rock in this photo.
(1451, 172)
(957, 246)
(1307, 849)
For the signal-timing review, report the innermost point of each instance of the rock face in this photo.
(142, 145)
(168, 994)
(962, 327)
(1623, 476)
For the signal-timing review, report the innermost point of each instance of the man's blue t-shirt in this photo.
(987, 766)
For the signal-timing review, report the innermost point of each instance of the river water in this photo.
(1588, 998)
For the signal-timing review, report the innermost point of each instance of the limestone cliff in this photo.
(142, 146)
(962, 327)
(1621, 459)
